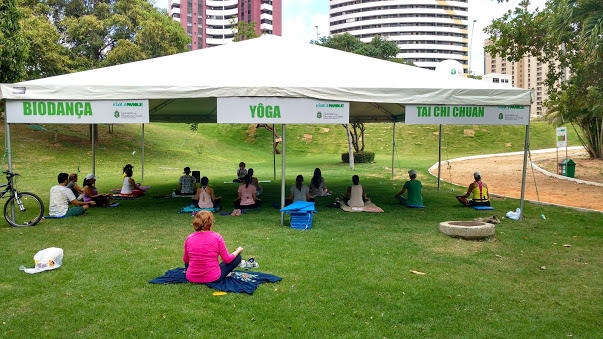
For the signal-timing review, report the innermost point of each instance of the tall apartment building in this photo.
(426, 31)
(208, 22)
(528, 73)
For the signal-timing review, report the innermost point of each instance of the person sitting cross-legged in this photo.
(202, 249)
(355, 196)
(61, 196)
(479, 191)
(247, 197)
(205, 196)
(413, 186)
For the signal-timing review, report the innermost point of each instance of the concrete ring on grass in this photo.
(467, 229)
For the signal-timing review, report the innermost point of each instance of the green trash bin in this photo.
(568, 168)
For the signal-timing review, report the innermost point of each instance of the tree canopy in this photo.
(67, 36)
(379, 47)
(567, 35)
(13, 48)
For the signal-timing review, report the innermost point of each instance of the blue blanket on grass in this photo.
(236, 281)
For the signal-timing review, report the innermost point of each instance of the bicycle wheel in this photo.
(25, 209)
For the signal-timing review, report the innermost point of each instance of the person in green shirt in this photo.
(413, 186)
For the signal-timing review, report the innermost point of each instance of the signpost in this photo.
(561, 142)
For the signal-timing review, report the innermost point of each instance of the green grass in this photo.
(347, 277)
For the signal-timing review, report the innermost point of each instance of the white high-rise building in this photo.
(426, 31)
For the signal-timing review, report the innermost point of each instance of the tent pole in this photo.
(393, 148)
(9, 155)
(350, 152)
(93, 149)
(283, 179)
(142, 164)
(274, 151)
(523, 178)
(439, 157)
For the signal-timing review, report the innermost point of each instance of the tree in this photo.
(243, 30)
(379, 48)
(566, 34)
(68, 36)
(13, 49)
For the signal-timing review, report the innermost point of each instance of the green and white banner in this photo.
(467, 115)
(78, 112)
(274, 110)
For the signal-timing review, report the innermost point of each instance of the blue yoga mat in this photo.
(482, 208)
(415, 206)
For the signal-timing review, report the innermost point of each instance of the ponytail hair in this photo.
(247, 180)
(298, 182)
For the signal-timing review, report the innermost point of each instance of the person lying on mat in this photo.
(130, 187)
(254, 181)
(413, 186)
(241, 172)
(479, 191)
(299, 192)
(205, 196)
(91, 193)
(247, 195)
(74, 187)
(202, 249)
(355, 196)
(61, 196)
(187, 183)
(317, 185)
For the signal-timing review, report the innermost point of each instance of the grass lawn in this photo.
(346, 277)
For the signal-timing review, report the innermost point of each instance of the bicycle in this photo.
(22, 208)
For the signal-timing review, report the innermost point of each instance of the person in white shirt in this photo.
(61, 196)
(187, 184)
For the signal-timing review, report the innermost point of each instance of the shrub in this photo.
(362, 157)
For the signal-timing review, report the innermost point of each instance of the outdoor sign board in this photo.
(467, 115)
(77, 112)
(562, 137)
(275, 110)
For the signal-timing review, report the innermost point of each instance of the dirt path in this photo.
(503, 176)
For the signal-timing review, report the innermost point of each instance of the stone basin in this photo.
(467, 229)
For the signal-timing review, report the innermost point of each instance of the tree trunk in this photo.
(277, 138)
(350, 152)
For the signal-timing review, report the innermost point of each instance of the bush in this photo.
(359, 158)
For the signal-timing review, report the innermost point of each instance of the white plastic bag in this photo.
(46, 259)
(514, 215)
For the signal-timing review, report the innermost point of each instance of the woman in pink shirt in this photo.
(247, 197)
(202, 249)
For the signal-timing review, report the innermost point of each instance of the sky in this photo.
(304, 19)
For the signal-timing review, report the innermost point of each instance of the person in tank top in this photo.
(205, 196)
(479, 192)
(355, 196)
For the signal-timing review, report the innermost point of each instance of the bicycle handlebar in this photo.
(10, 174)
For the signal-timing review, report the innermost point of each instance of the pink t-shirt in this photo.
(247, 194)
(201, 251)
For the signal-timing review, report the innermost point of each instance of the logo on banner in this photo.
(319, 115)
(501, 116)
(116, 114)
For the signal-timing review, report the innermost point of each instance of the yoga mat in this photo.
(368, 207)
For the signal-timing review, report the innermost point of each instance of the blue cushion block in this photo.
(301, 221)
(482, 208)
(53, 217)
(415, 206)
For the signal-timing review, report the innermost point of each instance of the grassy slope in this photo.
(347, 277)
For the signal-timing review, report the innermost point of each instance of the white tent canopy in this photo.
(185, 87)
